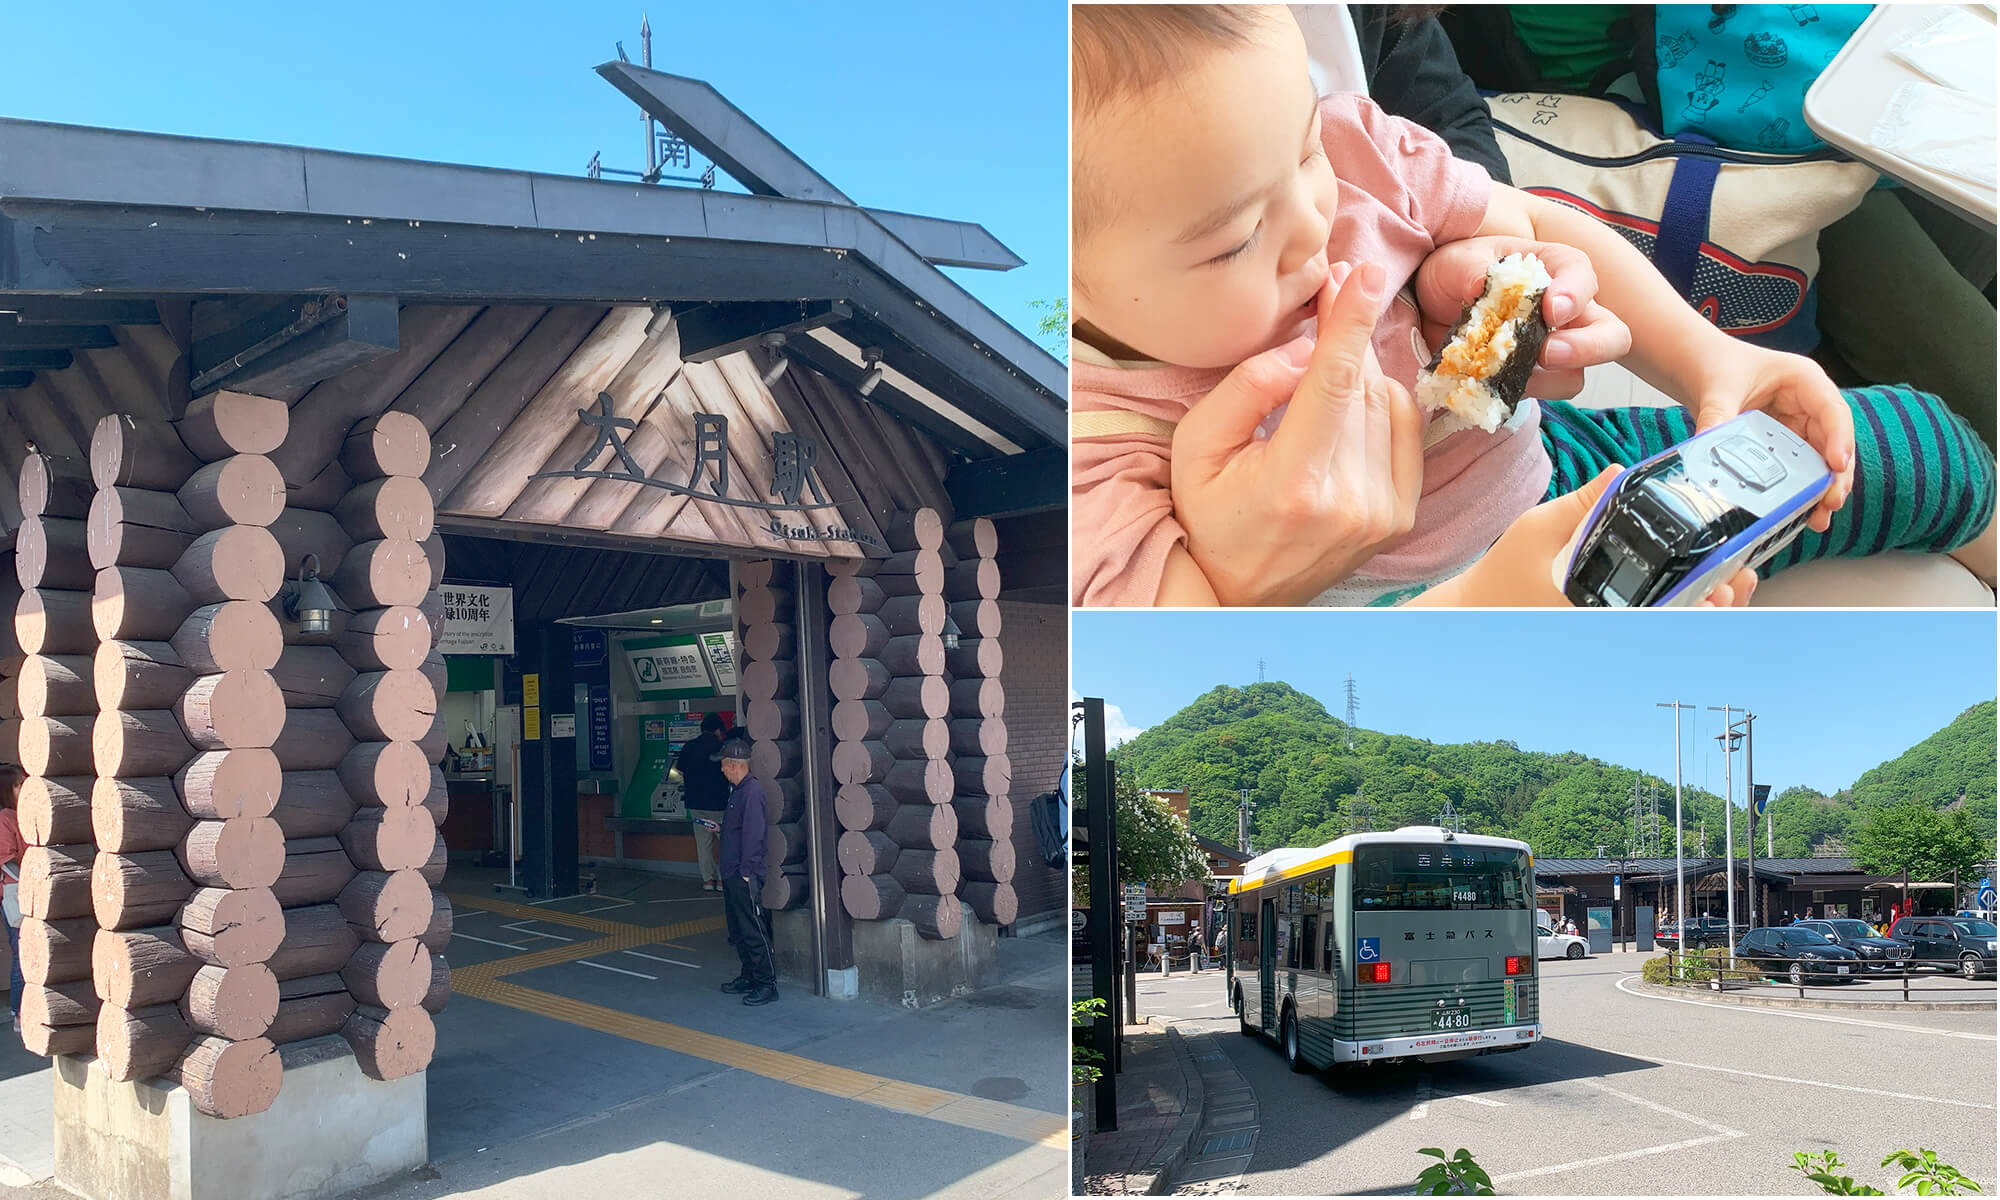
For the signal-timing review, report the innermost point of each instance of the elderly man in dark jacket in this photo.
(743, 835)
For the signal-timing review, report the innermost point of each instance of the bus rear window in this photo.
(1439, 877)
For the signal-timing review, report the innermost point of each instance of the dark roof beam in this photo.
(13, 381)
(761, 163)
(1009, 485)
(930, 383)
(287, 349)
(906, 409)
(55, 337)
(35, 360)
(79, 310)
(712, 331)
(161, 250)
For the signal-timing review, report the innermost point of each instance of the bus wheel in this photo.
(1242, 1021)
(1293, 1058)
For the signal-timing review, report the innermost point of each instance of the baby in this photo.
(1220, 209)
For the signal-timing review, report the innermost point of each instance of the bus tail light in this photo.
(1517, 964)
(1375, 972)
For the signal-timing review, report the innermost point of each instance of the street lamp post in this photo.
(1728, 739)
(1680, 873)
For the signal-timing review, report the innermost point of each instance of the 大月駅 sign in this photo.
(794, 474)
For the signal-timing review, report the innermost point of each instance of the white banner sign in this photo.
(721, 648)
(477, 620)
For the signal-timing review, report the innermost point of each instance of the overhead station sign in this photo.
(674, 666)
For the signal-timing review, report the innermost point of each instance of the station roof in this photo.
(96, 222)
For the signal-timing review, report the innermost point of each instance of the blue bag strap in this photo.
(1684, 221)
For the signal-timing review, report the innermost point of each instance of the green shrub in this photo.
(1456, 1175)
(1654, 970)
(1082, 1059)
(1921, 1168)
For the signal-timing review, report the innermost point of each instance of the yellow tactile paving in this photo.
(483, 981)
(554, 916)
(967, 1112)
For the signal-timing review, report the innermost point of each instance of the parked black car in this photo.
(1963, 943)
(1800, 955)
(1877, 953)
(1702, 932)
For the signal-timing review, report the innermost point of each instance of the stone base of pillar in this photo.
(898, 965)
(331, 1130)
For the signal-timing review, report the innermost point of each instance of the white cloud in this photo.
(1117, 730)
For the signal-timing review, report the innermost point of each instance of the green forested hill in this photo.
(1308, 786)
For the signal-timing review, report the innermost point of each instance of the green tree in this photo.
(1154, 845)
(1053, 325)
(1915, 837)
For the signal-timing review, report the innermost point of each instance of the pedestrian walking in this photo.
(11, 847)
(705, 793)
(743, 832)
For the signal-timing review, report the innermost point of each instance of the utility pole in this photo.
(1727, 738)
(1680, 873)
(1243, 820)
(1750, 791)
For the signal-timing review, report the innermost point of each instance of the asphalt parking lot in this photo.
(1628, 1094)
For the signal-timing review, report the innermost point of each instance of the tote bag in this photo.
(1735, 232)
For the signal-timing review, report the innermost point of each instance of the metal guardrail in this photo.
(1723, 970)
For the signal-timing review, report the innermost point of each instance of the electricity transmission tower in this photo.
(1353, 707)
(1260, 670)
(1361, 816)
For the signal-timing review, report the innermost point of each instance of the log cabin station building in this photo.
(377, 521)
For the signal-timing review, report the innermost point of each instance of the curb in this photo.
(1175, 1150)
(1863, 1006)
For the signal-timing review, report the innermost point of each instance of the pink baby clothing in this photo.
(1401, 195)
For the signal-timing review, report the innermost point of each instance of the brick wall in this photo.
(1035, 674)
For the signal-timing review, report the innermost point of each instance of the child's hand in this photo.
(1793, 389)
(1582, 333)
(1278, 521)
(1519, 571)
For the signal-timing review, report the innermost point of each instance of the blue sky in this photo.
(1834, 693)
(949, 110)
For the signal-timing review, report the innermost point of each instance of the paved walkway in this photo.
(1159, 1107)
(588, 1051)
(1227, 1137)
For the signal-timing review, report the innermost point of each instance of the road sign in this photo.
(1370, 950)
(1135, 904)
(1986, 896)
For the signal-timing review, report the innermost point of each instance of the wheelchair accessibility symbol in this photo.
(1370, 950)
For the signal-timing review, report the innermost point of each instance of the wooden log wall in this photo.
(55, 639)
(897, 850)
(981, 772)
(187, 782)
(769, 680)
(377, 795)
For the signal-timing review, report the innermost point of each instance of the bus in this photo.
(1417, 944)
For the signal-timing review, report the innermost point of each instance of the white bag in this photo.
(13, 904)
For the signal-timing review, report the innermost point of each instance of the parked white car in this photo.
(1550, 944)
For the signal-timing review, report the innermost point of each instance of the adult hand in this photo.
(1582, 333)
(1519, 571)
(1795, 390)
(1279, 520)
